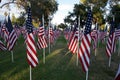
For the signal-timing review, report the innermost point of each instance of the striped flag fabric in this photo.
(31, 50)
(5, 33)
(66, 33)
(12, 37)
(84, 52)
(94, 35)
(117, 77)
(111, 41)
(102, 35)
(51, 35)
(2, 46)
(42, 43)
(73, 44)
(117, 33)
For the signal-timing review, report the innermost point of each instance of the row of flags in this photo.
(11, 34)
(74, 37)
(41, 33)
(80, 43)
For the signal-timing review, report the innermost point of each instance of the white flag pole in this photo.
(30, 73)
(43, 48)
(12, 56)
(87, 75)
(97, 39)
(44, 55)
(49, 35)
(118, 46)
(109, 61)
(78, 39)
(95, 51)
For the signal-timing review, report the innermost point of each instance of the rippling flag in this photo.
(94, 35)
(2, 46)
(5, 33)
(117, 33)
(12, 36)
(73, 44)
(84, 52)
(111, 41)
(31, 50)
(51, 34)
(42, 43)
(117, 77)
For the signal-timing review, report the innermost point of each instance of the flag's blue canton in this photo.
(9, 25)
(112, 29)
(75, 27)
(41, 25)
(88, 23)
(29, 22)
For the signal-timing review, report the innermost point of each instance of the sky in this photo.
(11, 11)
(64, 7)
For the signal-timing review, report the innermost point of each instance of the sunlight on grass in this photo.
(72, 60)
(60, 64)
(54, 53)
(19, 75)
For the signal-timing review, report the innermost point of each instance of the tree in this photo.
(38, 7)
(63, 26)
(79, 10)
(116, 12)
(13, 19)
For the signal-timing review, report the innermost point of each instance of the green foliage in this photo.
(21, 20)
(13, 19)
(79, 10)
(40, 7)
(63, 26)
(116, 13)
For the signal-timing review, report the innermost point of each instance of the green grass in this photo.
(60, 64)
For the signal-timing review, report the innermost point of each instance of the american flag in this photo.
(66, 33)
(94, 35)
(31, 50)
(12, 37)
(117, 77)
(117, 33)
(102, 35)
(5, 33)
(2, 46)
(51, 34)
(111, 41)
(73, 44)
(42, 43)
(84, 52)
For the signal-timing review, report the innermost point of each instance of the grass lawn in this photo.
(60, 64)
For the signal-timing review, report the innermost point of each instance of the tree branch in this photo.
(11, 3)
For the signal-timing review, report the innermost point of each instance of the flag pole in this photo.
(30, 73)
(12, 56)
(118, 46)
(95, 51)
(109, 61)
(78, 38)
(49, 34)
(87, 75)
(43, 48)
(96, 42)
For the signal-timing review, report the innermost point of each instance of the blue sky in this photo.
(64, 7)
